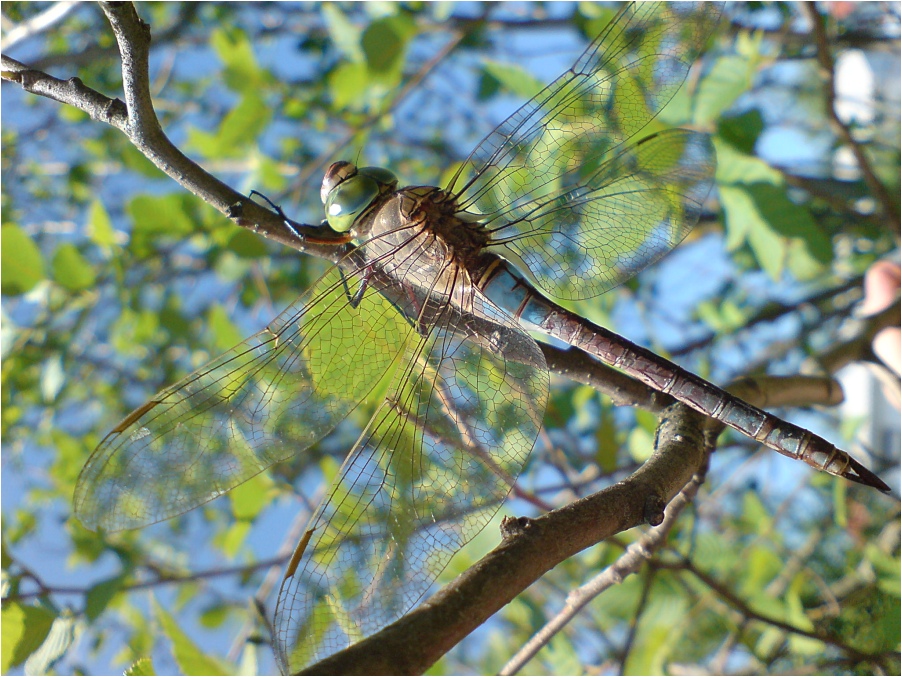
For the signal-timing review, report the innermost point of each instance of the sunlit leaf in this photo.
(22, 266)
(238, 132)
(348, 83)
(100, 227)
(143, 667)
(730, 77)
(344, 33)
(189, 658)
(23, 630)
(225, 333)
(514, 79)
(250, 498)
(236, 51)
(156, 217)
(71, 270)
(54, 647)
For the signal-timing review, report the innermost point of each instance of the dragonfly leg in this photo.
(354, 301)
(278, 210)
(420, 326)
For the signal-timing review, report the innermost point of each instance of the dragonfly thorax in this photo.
(437, 211)
(424, 218)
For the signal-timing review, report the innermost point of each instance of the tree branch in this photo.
(530, 548)
(747, 612)
(137, 119)
(628, 563)
(889, 206)
(39, 23)
(72, 92)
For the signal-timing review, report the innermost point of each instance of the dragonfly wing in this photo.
(265, 400)
(625, 216)
(574, 128)
(428, 473)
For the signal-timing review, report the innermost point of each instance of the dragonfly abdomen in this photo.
(661, 374)
(510, 290)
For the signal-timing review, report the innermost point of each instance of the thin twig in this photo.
(743, 608)
(241, 570)
(628, 563)
(137, 119)
(39, 23)
(881, 194)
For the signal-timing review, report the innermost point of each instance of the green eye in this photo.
(348, 199)
(351, 191)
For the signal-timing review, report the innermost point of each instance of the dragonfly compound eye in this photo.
(337, 173)
(350, 194)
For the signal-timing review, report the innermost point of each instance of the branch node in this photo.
(653, 512)
(514, 527)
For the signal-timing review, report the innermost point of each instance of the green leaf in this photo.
(780, 232)
(755, 516)
(143, 667)
(154, 217)
(189, 658)
(640, 444)
(793, 221)
(71, 270)
(760, 566)
(100, 595)
(661, 622)
(270, 175)
(231, 540)
(741, 131)
(745, 224)
(251, 497)
(225, 333)
(562, 656)
(22, 631)
(136, 161)
(887, 568)
(22, 267)
(345, 35)
(725, 317)
(246, 244)
(515, 79)
(729, 78)
(100, 227)
(133, 331)
(384, 42)
(236, 52)
(214, 616)
(735, 167)
(54, 647)
(238, 131)
(348, 84)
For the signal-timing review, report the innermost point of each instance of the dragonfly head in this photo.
(347, 191)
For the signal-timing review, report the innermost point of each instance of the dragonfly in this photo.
(425, 320)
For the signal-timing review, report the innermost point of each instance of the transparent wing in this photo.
(566, 141)
(266, 399)
(428, 473)
(629, 213)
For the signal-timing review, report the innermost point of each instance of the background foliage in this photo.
(116, 283)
